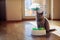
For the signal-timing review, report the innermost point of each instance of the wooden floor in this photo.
(22, 31)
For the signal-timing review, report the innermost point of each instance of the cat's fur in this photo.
(42, 21)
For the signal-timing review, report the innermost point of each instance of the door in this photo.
(2, 10)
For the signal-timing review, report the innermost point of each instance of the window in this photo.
(28, 12)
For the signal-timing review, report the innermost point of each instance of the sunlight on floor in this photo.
(53, 25)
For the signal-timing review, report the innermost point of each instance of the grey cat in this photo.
(43, 22)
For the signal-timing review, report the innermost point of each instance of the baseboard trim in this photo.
(13, 21)
(9, 21)
(28, 19)
(56, 19)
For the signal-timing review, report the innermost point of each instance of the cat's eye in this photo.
(41, 14)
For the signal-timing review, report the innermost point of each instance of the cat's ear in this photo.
(42, 12)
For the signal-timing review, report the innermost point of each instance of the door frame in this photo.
(52, 9)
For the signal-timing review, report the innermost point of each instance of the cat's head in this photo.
(40, 16)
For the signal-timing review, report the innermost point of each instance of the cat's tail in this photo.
(51, 30)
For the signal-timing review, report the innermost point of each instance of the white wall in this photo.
(13, 10)
(56, 9)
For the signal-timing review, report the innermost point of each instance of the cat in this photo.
(43, 22)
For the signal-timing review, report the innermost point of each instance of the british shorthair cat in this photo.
(43, 22)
